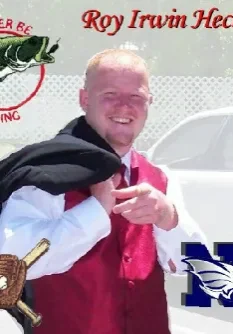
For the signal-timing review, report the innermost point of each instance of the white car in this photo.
(199, 151)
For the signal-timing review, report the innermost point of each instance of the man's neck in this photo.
(126, 159)
(121, 152)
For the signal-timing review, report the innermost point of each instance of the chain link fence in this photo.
(175, 98)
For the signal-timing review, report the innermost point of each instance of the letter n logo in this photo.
(196, 296)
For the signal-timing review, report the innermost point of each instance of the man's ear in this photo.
(83, 99)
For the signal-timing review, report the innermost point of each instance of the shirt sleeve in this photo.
(169, 243)
(31, 214)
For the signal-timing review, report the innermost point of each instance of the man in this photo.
(109, 243)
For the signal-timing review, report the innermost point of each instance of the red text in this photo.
(21, 27)
(9, 116)
(94, 19)
(157, 21)
(212, 21)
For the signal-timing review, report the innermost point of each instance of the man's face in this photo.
(116, 103)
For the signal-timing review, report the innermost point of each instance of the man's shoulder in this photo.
(32, 194)
(151, 171)
(143, 157)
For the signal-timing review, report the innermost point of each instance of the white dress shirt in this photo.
(8, 324)
(31, 214)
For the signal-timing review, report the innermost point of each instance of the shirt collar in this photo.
(130, 160)
(126, 160)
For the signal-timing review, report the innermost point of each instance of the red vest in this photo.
(118, 286)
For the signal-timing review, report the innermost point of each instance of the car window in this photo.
(189, 145)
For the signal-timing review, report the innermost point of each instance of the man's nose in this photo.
(123, 102)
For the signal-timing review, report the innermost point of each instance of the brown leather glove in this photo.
(13, 271)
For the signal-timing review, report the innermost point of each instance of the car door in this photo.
(195, 156)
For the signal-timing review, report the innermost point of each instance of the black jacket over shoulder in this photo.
(75, 158)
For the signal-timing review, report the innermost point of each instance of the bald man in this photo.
(112, 243)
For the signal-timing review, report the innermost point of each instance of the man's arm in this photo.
(187, 230)
(31, 214)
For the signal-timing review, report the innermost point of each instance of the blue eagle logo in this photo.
(216, 277)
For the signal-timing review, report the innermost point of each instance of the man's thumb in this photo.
(116, 180)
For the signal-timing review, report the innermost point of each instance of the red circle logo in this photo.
(38, 85)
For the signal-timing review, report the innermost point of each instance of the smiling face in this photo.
(116, 100)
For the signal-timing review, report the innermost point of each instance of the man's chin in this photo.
(121, 141)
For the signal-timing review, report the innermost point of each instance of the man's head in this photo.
(116, 97)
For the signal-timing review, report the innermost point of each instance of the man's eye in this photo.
(110, 93)
(136, 97)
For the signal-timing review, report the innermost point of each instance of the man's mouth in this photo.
(121, 120)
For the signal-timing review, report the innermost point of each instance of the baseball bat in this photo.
(39, 250)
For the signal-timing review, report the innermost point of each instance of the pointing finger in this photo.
(127, 205)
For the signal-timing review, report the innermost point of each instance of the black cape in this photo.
(75, 158)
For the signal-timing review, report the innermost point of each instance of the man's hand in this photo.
(12, 280)
(102, 192)
(145, 205)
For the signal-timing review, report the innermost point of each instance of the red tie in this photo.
(119, 224)
(123, 183)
